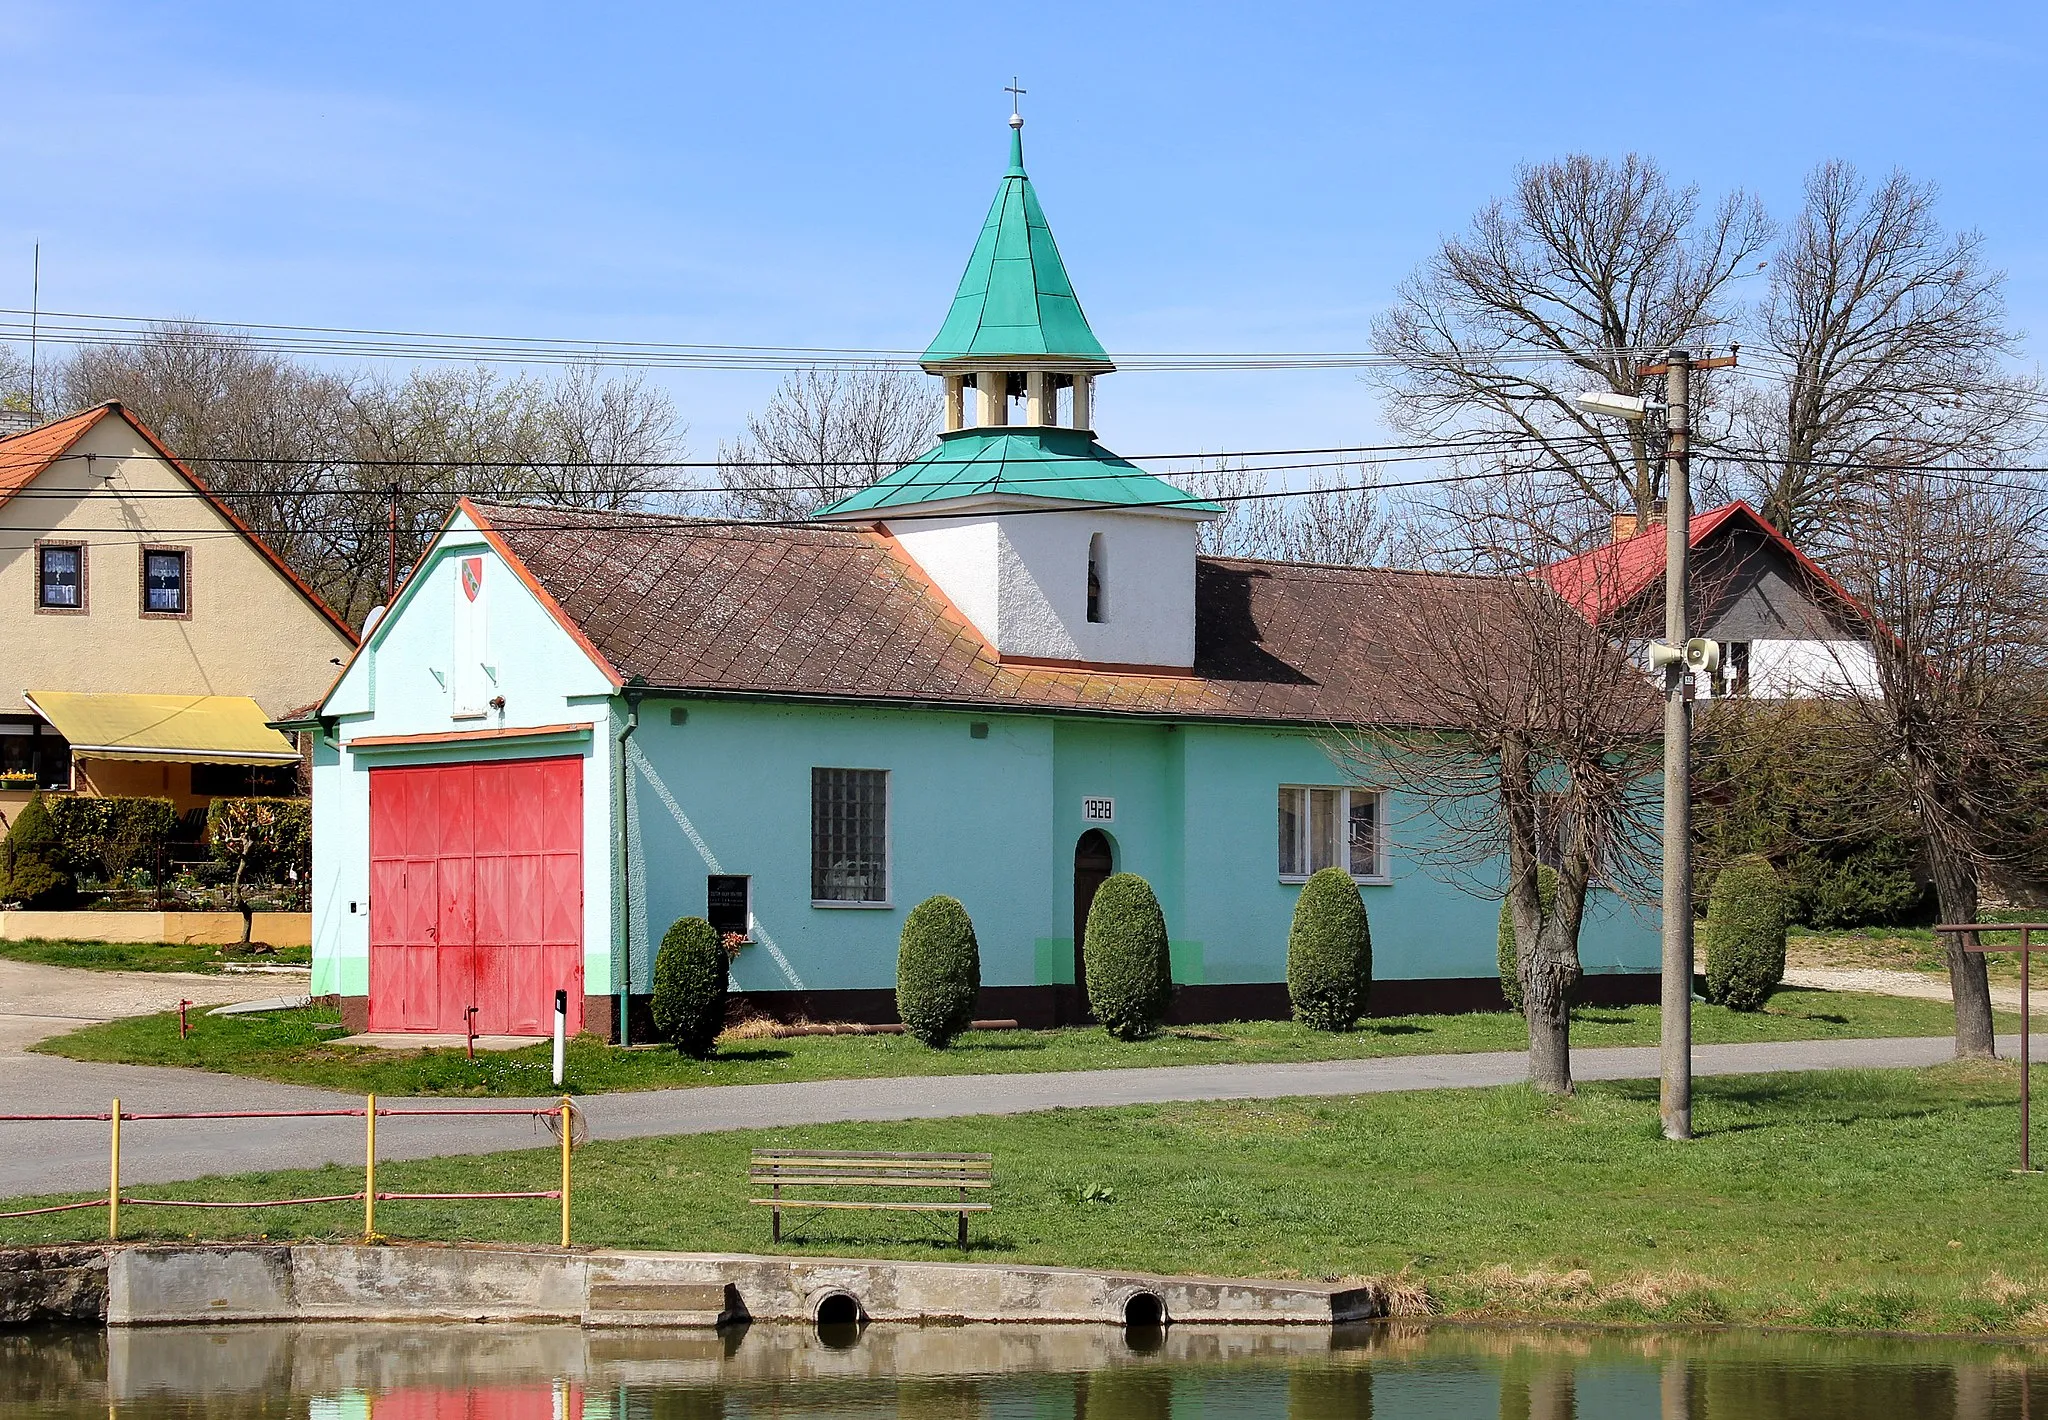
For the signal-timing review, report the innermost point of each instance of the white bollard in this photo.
(561, 1030)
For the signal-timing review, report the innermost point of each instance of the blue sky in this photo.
(1220, 177)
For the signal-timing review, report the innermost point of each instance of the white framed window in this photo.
(850, 837)
(1328, 827)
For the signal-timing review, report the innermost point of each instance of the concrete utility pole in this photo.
(1675, 1092)
(1679, 659)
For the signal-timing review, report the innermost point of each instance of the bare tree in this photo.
(1951, 568)
(14, 381)
(1585, 269)
(1548, 741)
(1337, 519)
(315, 460)
(1887, 340)
(824, 434)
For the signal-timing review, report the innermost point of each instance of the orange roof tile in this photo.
(24, 456)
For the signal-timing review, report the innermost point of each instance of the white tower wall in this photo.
(1022, 579)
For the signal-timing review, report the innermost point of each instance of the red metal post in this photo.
(181, 1018)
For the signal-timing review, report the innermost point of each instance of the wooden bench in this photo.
(807, 1171)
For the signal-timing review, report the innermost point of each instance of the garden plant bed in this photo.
(1868, 1200)
(298, 1047)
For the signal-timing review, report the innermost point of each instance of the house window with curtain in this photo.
(60, 576)
(166, 581)
(1330, 827)
(850, 837)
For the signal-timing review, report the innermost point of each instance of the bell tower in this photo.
(1058, 551)
(1015, 347)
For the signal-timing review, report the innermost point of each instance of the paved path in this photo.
(49, 1158)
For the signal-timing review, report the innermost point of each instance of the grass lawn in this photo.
(1858, 1199)
(149, 956)
(295, 1046)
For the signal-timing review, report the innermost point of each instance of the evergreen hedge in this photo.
(1124, 953)
(32, 870)
(1510, 977)
(108, 837)
(1329, 953)
(689, 987)
(1767, 779)
(1745, 934)
(938, 971)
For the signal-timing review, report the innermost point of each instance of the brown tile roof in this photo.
(844, 614)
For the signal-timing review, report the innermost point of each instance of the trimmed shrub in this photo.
(938, 971)
(108, 837)
(1124, 952)
(689, 986)
(1745, 934)
(32, 870)
(1510, 978)
(262, 837)
(1329, 953)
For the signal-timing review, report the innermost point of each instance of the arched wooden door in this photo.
(1094, 861)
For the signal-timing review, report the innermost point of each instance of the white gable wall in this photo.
(1022, 579)
(1800, 670)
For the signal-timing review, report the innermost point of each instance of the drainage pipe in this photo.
(625, 837)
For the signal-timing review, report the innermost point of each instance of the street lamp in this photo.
(1676, 658)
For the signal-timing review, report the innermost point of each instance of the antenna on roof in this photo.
(35, 306)
(1016, 108)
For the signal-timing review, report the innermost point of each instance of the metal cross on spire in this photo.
(1015, 93)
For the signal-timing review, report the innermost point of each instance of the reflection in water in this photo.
(1393, 1372)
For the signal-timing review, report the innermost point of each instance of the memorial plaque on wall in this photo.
(725, 903)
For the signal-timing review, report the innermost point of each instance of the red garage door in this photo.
(476, 895)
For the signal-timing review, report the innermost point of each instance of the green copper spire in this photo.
(1015, 300)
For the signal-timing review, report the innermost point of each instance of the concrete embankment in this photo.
(241, 1283)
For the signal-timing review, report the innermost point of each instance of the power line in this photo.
(572, 519)
(1416, 454)
(87, 329)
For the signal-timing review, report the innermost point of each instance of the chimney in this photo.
(1627, 525)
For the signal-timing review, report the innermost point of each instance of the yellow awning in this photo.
(189, 729)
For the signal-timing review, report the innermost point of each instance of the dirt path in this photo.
(38, 1001)
(1921, 985)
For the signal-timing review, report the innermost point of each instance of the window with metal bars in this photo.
(850, 835)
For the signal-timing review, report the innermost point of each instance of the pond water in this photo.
(1397, 1371)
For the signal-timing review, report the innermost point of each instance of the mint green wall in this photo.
(1422, 926)
(994, 822)
(968, 817)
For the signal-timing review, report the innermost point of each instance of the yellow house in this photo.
(146, 634)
